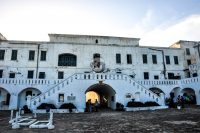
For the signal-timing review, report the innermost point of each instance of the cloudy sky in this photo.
(156, 22)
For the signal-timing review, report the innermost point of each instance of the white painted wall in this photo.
(84, 47)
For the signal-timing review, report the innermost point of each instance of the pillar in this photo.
(28, 102)
(13, 101)
(197, 94)
(162, 98)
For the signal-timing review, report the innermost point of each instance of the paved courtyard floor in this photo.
(168, 120)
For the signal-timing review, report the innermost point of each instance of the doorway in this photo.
(103, 93)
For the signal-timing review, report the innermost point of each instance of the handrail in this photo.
(158, 82)
(124, 77)
(132, 80)
(29, 81)
(52, 87)
(145, 87)
(53, 81)
(87, 79)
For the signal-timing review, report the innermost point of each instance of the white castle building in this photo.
(74, 68)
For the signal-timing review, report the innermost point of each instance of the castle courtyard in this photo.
(168, 120)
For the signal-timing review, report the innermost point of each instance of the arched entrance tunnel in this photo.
(33, 92)
(189, 95)
(104, 94)
(4, 99)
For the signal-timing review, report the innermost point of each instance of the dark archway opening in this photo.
(22, 97)
(156, 91)
(4, 99)
(103, 93)
(189, 96)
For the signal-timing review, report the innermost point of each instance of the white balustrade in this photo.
(59, 84)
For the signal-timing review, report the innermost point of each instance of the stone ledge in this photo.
(145, 108)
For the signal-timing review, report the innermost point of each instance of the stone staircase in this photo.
(45, 96)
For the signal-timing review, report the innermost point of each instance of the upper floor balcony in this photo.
(99, 77)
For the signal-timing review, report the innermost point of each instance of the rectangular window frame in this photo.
(14, 55)
(156, 77)
(118, 58)
(60, 75)
(144, 58)
(2, 54)
(187, 51)
(31, 55)
(146, 75)
(42, 75)
(61, 98)
(129, 59)
(176, 62)
(43, 55)
(11, 75)
(154, 59)
(167, 59)
(30, 74)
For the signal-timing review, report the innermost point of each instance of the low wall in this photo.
(145, 108)
(58, 111)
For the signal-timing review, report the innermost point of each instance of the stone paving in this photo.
(168, 120)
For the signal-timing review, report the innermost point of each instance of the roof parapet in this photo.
(91, 39)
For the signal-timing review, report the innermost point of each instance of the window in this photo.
(67, 60)
(2, 54)
(167, 59)
(156, 77)
(129, 59)
(170, 75)
(194, 75)
(14, 55)
(189, 62)
(60, 97)
(60, 75)
(1, 73)
(188, 74)
(146, 75)
(187, 51)
(128, 95)
(118, 58)
(176, 60)
(96, 56)
(154, 59)
(12, 75)
(96, 60)
(42, 75)
(30, 74)
(144, 57)
(31, 55)
(43, 55)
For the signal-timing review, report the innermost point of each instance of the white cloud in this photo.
(186, 29)
(30, 24)
(147, 19)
